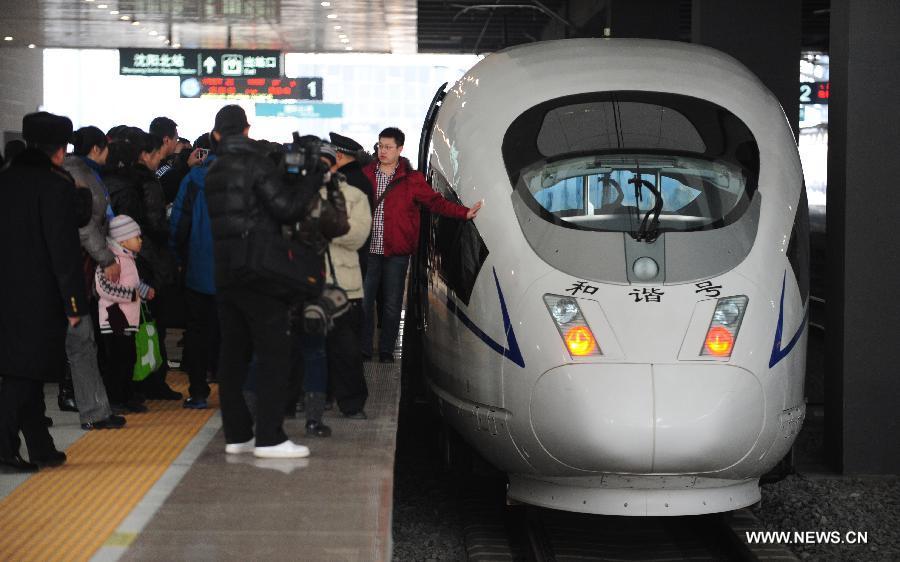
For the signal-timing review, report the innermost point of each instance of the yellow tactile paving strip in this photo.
(68, 513)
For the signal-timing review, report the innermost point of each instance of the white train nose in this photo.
(647, 418)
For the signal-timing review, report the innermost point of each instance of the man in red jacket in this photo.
(395, 234)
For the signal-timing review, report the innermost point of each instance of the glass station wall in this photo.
(375, 91)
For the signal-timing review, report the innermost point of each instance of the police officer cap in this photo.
(344, 144)
(46, 128)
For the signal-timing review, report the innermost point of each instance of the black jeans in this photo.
(201, 339)
(253, 323)
(346, 379)
(119, 373)
(22, 409)
(388, 274)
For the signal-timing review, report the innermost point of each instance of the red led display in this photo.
(255, 88)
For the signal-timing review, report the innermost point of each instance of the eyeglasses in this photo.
(384, 147)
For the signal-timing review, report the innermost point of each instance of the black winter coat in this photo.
(42, 280)
(246, 192)
(136, 192)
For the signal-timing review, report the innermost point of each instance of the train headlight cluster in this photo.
(564, 310)
(724, 326)
(572, 326)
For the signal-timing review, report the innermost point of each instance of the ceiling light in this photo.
(31, 45)
(7, 38)
(326, 4)
(348, 48)
(102, 6)
(124, 18)
(167, 41)
(114, 12)
(331, 16)
(177, 45)
(135, 22)
(345, 40)
(342, 36)
(338, 27)
(152, 32)
(88, 0)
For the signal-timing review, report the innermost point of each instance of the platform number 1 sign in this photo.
(310, 88)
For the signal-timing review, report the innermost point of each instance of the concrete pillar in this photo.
(764, 35)
(21, 85)
(862, 383)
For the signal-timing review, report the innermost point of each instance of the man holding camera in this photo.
(251, 200)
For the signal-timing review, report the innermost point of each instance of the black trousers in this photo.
(346, 379)
(253, 323)
(201, 339)
(22, 409)
(120, 358)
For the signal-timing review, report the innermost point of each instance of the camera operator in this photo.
(250, 200)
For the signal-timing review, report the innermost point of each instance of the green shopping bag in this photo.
(146, 341)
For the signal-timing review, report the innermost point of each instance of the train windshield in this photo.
(634, 162)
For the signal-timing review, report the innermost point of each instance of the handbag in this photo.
(146, 342)
(319, 314)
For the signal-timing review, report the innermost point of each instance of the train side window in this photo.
(458, 251)
(798, 247)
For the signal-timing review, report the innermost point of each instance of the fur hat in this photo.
(46, 128)
(123, 227)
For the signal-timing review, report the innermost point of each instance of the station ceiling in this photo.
(397, 26)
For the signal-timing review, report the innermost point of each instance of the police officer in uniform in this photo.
(41, 290)
(350, 159)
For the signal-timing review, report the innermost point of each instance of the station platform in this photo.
(163, 488)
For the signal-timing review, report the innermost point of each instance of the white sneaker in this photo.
(286, 450)
(238, 448)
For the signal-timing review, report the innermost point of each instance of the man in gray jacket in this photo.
(81, 348)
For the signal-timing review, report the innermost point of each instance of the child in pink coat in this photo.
(120, 313)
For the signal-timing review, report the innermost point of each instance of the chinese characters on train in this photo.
(708, 289)
(582, 286)
(646, 294)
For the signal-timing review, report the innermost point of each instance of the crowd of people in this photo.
(134, 225)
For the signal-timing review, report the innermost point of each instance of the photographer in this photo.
(250, 198)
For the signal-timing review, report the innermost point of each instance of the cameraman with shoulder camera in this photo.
(250, 199)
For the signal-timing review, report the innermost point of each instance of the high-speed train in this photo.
(622, 329)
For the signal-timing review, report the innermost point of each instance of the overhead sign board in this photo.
(307, 88)
(307, 110)
(200, 62)
(815, 92)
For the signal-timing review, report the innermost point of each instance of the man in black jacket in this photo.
(246, 193)
(174, 164)
(41, 290)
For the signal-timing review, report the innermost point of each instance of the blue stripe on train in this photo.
(777, 352)
(511, 349)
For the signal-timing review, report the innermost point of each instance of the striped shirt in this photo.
(383, 180)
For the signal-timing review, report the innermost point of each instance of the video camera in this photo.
(301, 157)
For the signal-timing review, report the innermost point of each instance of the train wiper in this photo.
(649, 228)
